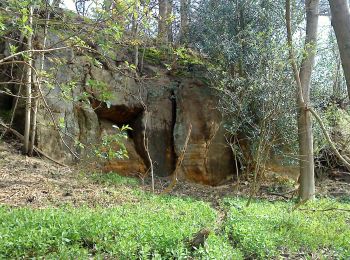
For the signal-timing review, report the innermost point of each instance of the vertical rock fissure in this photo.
(173, 122)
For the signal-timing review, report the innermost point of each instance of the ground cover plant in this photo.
(262, 86)
(162, 227)
(156, 227)
(113, 179)
(266, 229)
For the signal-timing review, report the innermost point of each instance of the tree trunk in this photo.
(135, 31)
(36, 100)
(169, 21)
(303, 79)
(341, 24)
(307, 175)
(28, 91)
(162, 21)
(184, 23)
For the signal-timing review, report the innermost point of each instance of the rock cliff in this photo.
(169, 104)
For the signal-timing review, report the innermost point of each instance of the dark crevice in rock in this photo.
(173, 122)
(7, 75)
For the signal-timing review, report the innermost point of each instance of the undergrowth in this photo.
(156, 228)
(267, 229)
(113, 178)
(161, 227)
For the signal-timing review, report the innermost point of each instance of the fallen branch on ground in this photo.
(329, 209)
(283, 195)
(36, 149)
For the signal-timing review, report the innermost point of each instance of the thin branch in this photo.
(36, 149)
(328, 138)
(32, 51)
(291, 52)
(17, 96)
(323, 210)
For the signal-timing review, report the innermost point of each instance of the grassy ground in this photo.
(163, 227)
(58, 213)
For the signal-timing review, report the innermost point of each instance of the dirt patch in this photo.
(271, 189)
(28, 181)
(34, 182)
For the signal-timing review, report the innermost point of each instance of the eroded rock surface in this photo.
(163, 107)
(208, 159)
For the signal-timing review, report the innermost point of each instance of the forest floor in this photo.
(31, 181)
(36, 184)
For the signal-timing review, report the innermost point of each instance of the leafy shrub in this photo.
(112, 145)
(179, 58)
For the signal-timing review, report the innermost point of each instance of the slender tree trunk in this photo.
(169, 22)
(303, 79)
(336, 83)
(162, 21)
(307, 176)
(33, 124)
(165, 30)
(184, 20)
(36, 100)
(135, 31)
(28, 91)
(341, 24)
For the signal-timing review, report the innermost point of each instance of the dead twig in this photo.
(283, 195)
(36, 149)
(323, 210)
(328, 138)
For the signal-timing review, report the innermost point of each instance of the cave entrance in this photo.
(126, 115)
(119, 115)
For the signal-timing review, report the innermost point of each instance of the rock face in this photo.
(160, 109)
(208, 159)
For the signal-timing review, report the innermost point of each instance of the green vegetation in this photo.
(113, 178)
(154, 55)
(178, 59)
(55, 60)
(157, 227)
(218, 247)
(112, 145)
(162, 227)
(266, 229)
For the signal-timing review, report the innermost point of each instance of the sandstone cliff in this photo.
(171, 102)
